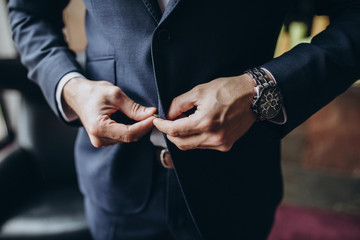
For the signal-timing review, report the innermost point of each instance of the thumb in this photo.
(134, 110)
(182, 104)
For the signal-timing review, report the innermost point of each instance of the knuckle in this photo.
(115, 92)
(225, 148)
(96, 142)
(105, 84)
(218, 140)
(133, 138)
(222, 136)
(173, 132)
(198, 90)
(209, 125)
(97, 127)
(178, 143)
(175, 101)
(126, 138)
(182, 147)
(94, 131)
(135, 107)
(205, 125)
(102, 82)
(129, 137)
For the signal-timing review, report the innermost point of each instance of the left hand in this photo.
(223, 114)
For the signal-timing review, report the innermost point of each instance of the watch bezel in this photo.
(257, 106)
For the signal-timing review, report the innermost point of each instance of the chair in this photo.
(39, 197)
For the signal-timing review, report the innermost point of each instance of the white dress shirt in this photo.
(156, 137)
(163, 4)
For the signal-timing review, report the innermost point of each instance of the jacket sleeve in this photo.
(37, 31)
(311, 75)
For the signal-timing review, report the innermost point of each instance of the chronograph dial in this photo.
(268, 101)
(269, 104)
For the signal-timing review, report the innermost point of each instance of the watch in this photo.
(268, 101)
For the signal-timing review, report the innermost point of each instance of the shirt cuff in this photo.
(66, 112)
(281, 118)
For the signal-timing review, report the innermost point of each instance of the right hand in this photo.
(95, 101)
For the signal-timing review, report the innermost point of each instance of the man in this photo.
(185, 61)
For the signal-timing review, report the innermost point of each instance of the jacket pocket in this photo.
(101, 69)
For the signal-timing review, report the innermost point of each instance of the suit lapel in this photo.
(154, 9)
(169, 8)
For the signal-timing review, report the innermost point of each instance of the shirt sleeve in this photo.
(66, 112)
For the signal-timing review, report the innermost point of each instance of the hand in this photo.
(223, 114)
(95, 101)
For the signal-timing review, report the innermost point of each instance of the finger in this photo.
(191, 142)
(180, 116)
(180, 127)
(125, 133)
(132, 133)
(102, 141)
(139, 129)
(200, 141)
(132, 109)
(182, 104)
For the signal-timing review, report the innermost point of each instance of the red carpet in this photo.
(298, 223)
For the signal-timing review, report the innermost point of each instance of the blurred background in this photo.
(39, 198)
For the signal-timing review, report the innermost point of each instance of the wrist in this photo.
(72, 90)
(251, 84)
(249, 87)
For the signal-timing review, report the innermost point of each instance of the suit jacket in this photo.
(154, 58)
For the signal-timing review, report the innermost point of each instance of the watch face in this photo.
(270, 103)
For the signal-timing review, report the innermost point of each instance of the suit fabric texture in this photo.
(154, 58)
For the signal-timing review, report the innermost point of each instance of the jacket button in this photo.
(164, 36)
